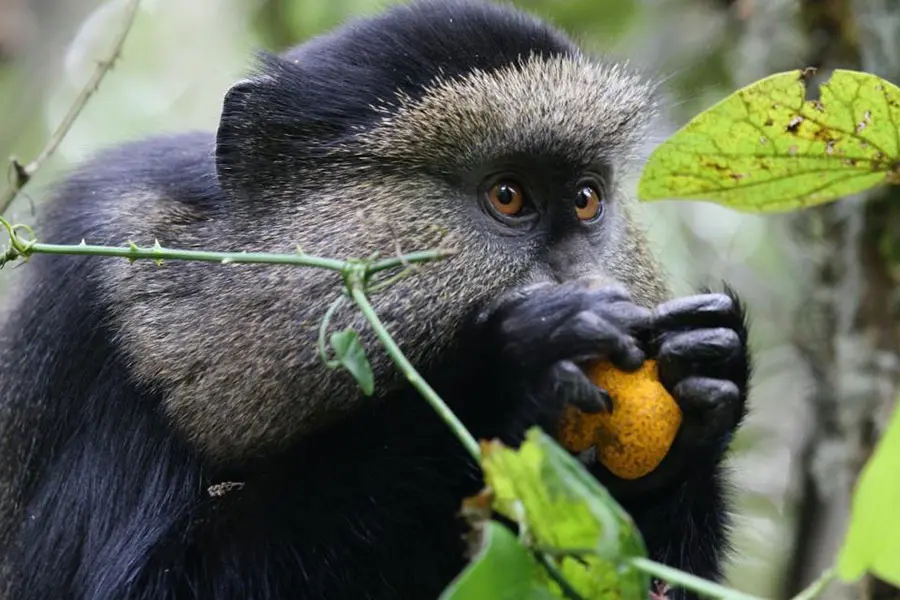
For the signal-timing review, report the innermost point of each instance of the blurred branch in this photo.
(22, 174)
(815, 589)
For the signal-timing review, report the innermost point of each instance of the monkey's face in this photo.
(523, 165)
(520, 169)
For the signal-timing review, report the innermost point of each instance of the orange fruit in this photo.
(633, 439)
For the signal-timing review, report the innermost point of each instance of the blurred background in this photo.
(822, 285)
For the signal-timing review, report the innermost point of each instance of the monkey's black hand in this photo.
(701, 347)
(700, 344)
(540, 334)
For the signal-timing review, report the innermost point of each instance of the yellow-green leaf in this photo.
(502, 569)
(873, 538)
(560, 507)
(765, 148)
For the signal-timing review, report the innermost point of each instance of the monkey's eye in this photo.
(506, 197)
(588, 203)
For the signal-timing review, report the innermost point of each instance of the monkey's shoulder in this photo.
(136, 188)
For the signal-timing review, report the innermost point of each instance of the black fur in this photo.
(115, 505)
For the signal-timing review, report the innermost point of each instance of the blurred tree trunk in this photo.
(847, 328)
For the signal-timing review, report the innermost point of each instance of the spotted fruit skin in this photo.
(632, 440)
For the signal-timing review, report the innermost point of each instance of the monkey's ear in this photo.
(287, 119)
(247, 140)
(271, 124)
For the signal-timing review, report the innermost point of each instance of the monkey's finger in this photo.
(552, 303)
(573, 296)
(705, 352)
(526, 299)
(609, 292)
(703, 310)
(587, 335)
(524, 311)
(570, 385)
(636, 320)
(562, 384)
(623, 313)
(711, 408)
(567, 296)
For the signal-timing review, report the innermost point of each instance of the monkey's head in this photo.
(460, 119)
(466, 116)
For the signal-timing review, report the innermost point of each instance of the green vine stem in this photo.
(710, 589)
(23, 248)
(356, 284)
(687, 581)
(356, 274)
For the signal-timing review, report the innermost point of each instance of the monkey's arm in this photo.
(686, 525)
(531, 341)
(700, 343)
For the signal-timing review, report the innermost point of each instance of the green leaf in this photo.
(873, 538)
(766, 148)
(503, 569)
(562, 509)
(351, 354)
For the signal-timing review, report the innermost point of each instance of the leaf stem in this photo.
(687, 581)
(323, 332)
(815, 589)
(359, 296)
